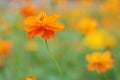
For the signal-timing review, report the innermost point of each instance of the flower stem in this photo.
(55, 61)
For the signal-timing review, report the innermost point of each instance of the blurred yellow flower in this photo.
(5, 47)
(30, 78)
(96, 40)
(87, 25)
(99, 62)
(99, 40)
(31, 46)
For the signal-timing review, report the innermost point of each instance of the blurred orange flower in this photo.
(100, 62)
(30, 78)
(109, 22)
(5, 47)
(87, 25)
(28, 9)
(111, 5)
(43, 25)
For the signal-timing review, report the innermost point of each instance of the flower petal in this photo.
(48, 34)
(101, 69)
(32, 34)
(41, 32)
(91, 67)
(51, 18)
(55, 26)
(108, 65)
(30, 78)
(32, 20)
(89, 58)
(31, 28)
(97, 57)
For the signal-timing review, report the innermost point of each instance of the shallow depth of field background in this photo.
(30, 56)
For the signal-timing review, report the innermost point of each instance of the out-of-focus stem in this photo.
(55, 61)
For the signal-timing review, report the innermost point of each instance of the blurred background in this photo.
(90, 26)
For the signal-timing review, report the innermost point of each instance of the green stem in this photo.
(54, 60)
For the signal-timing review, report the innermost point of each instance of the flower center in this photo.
(99, 64)
(42, 15)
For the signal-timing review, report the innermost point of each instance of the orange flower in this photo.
(111, 6)
(43, 25)
(100, 62)
(30, 78)
(5, 47)
(28, 9)
(87, 25)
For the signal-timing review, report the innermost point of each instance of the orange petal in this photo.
(107, 57)
(48, 34)
(31, 28)
(51, 18)
(101, 69)
(32, 34)
(29, 78)
(91, 67)
(89, 58)
(55, 26)
(41, 32)
(108, 65)
(96, 56)
(32, 20)
(107, 54)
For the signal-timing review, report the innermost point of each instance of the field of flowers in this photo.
(59, 39)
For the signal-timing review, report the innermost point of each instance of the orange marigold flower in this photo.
(28, 9)
(5, 47)
(43, 25)
(99, 62)
(29, 78)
